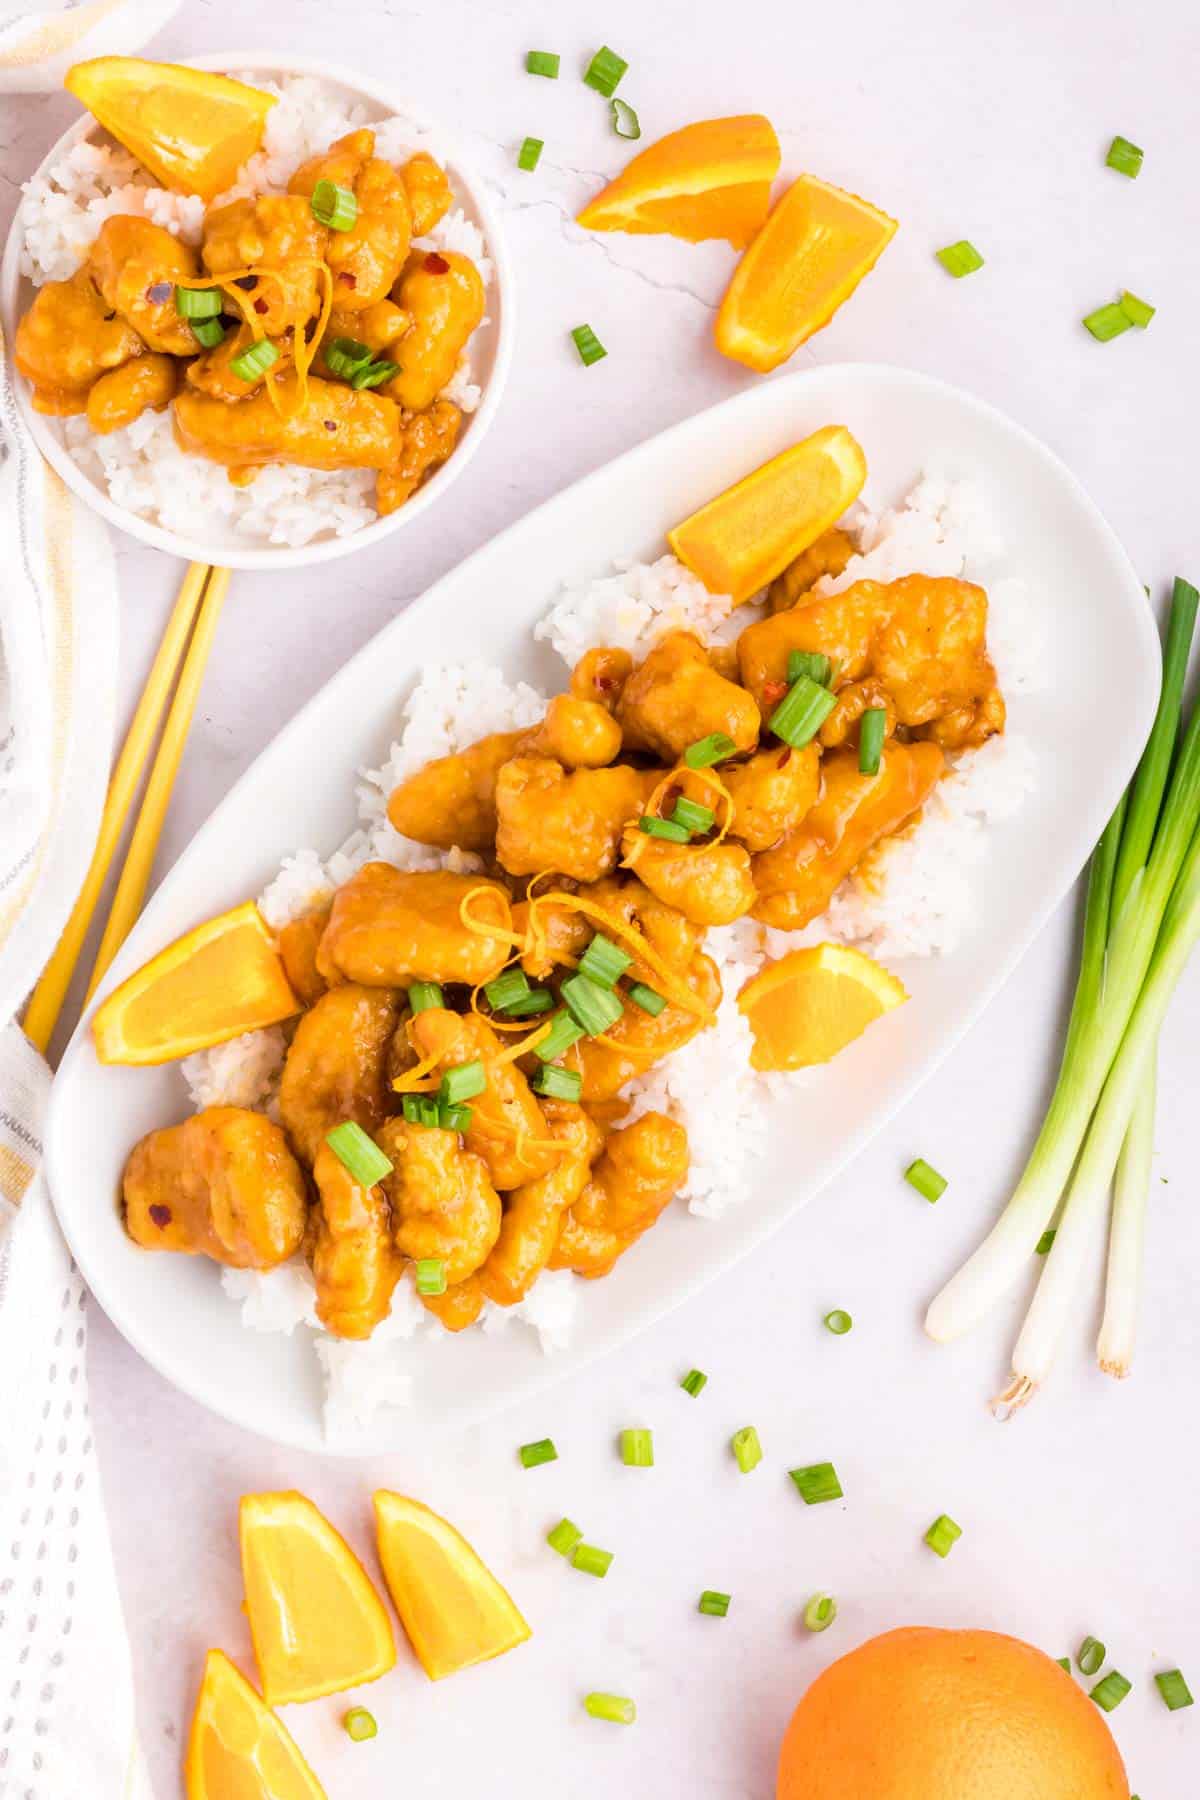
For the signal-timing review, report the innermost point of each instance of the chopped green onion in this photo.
(1045, 1243)
(925, 1178)
(454, 1118)
(591, 1561)
(543, 62)
(1125, 158)
(612, 1707)
(746, 1448)
(801, 713)
(693, 1382)
(637, 1448)
(818, 668)
(713, 1604)
(1090, 1656)
(817, 1483)
(1174, 1690)
(647, 999)
(534, 1455)
(334, 205)
(564, 1536)
(423, 996)
(345, 356)
(1109, 1693)
(667, 829)
(943, 1534)
(537, 1000)
(1064, 1662)
(1140, 312)
(604, 962)
(871, 730)
(588, 345)
(254, 360)
(463, 1083)
(556, 1083)
(1108, 322)
(709, 750)
(625, 121)
(529, 155)
(820, 1612)
(208, 332)
(562, 1034)
(960, 259)
(593, 1007)
(198, 303)
(431, 1275)
(500, 993)
(359, 1724)
(694, 818)
(358, 1153)
(838, 1322)
(604, 72)
(421, 1109)
(374, 375)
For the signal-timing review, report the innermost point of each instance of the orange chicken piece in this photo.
(336, 1065)
(638, 1040)
(365, 260)
(548, 818)
(443, 1205)
(530, 1226)
(771, 792)
(677, 697)
(641, 1170)
(507, 1128)
(354, 1262)
(389, 928)
(223, 1184)
(828, 556)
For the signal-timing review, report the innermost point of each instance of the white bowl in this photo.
(491, 346)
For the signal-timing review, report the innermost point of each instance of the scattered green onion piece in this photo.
(410, 1106)
(431, 1275)
(529, 155)
(562, 1034)
(374, 375)
(1139, 312)
(820, 1612)
(346, 356)
(943, 1534)
(604, 962)
(534, 1455)
(588, 345)
(359, 1724)
(817, 1483)
(537, 1000)
(334, 206)
(500, 993)
(254, 360)
(208, 333)
(709, 750)
(812, 663)
(667, 829)
(424, 995)
(1045, 1243)
(647, 999)
(713, 1604)
(455, 1118)
(746, 1448)
(1064, 1662)
(801, 713)
(556, 1083)
(1125, 157)
(564, 1536)
(637, 1448)
(1090, 1656)
(871, 729)
(463, 1083)
(1109, 1693)
(838, 1322)
(694, 818)
(593, 1007)
(693, 1382)
(604, 72)
(925, 1178)
(591, 1561)
(543, 62)
(358, 1153)
(613, 1708)
(428, 1111)
(1174, 1690)
(960, 259)
(625, 121)
(1108, 322)
(198, 303)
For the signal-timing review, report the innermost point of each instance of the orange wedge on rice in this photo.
(708, 180)
(805, 262)
(810, 1004)
(217, 981)
(237, 1748)
(193, 130)
(316, 1619)
(454, 1610)
(749, 534)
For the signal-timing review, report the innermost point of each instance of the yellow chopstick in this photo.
(139, 859)
(48, 996)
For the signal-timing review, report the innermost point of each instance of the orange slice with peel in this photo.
(218, 980)
(317, 1622)
(237, 1748)
(192, 129)
(749, 534)
(805, 262)
(454, 1610)
(810, 1004)
(708, 180)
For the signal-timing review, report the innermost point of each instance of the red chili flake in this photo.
(784, 760)
(161, 1216)
(246, 281)
(604, 684)
(260, 306)
(330, 424)
(347, 279)
(773, 691)
(437, 265)
(158, 292)
(667, 804)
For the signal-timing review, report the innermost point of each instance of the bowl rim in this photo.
(502, 309)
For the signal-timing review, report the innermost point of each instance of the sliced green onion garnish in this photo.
(714, 1604)
(709, 750)
(694, 818)
(254, 360)
(1139, 312)
(871, 729)
(421, 1109)
(802, 712)
(820, 1612)
(1109, 1693)
(543, 62)
(564, 1536)
(562, 1034)
(1064, 1662)
(1090, 1656)
(647, 999)
(943, 1534)
(637, 1448)
(604, 72)
(960, 259)
(334, 206)
(424, 995)
(625, 121)
(613, 1707)
(346, 356)
(454, 1118)
(667, 829)
(603, 961)
(358, 1153)
(818, 668)
(1124, 157)
(431, 1275)
(208, 332)
(359, 1724)
(593, 1007)
(1174, 1690)
(591, 1560)
(588, 345)
(817, 1483)
(693, 1382)
(746, 1448)
(512, 985)
(537, 1000)
(838, 1322)
(462, 1083)
(530, 152)
(374, 375)
(1045, 1243)
(410, 1106)
(198, 303)
(925, 1178)
(533, 1455)
(1108, 322)
(556, 1083)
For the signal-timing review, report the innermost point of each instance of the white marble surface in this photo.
(984, 122)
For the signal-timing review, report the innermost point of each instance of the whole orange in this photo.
(923, 1714)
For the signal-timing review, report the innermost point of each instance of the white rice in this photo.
(142, 468)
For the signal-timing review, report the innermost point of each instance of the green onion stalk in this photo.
(1131, 1192)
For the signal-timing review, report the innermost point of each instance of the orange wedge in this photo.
(454, 1610)
(317, 1623)
(749, 534)
(237, 1748)
(191, 129)
(218, 980)
(709, 180)
(808, 258)
(810, 1004)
